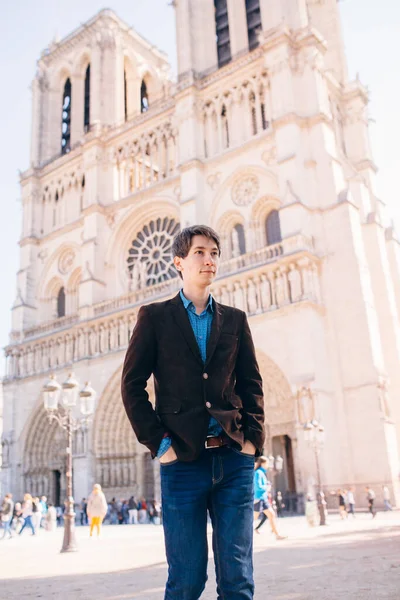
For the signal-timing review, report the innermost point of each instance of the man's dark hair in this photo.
(183, 240)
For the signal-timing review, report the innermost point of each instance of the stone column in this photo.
(237, 27)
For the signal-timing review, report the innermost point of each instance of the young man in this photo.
(208, 422)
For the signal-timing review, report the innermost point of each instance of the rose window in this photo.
(150, 258)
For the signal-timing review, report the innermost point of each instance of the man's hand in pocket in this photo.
(169, 456)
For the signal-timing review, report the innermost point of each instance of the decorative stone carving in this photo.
(238, 298)
(214, 180)
(294, 278)
(265, 292)
(245, 190)
(252, 300)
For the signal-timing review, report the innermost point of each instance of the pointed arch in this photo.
(66, 117)
(86, 111)
(61, 302)
(115, 446)
(144, 97)
(273, 228)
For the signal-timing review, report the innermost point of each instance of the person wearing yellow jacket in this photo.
(96, 508)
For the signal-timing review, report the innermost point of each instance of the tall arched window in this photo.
(86, 117)
(238, 240)
(253, 15)
(144, 98)
(125, 97)
(222, 32)
(61, 303)
(273, 228)
(66, 118)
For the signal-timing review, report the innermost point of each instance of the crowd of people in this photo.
(34, 514)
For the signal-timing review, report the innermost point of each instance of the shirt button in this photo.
(208, 404)
(205, 375)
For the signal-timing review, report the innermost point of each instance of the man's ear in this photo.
(177, 263)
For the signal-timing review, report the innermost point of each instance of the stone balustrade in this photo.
(263, 287)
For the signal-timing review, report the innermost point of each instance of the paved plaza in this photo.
(353, 559)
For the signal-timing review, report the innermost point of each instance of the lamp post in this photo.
(314, 435)
(62, 413)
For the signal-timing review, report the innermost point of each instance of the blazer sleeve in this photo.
(139, 364)
(249, 389)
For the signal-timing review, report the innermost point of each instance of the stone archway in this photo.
(280, 421)
(44, 458)
(122, 465)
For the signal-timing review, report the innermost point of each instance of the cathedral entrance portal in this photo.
(280, 421)
(123, 467)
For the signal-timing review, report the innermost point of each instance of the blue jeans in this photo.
(7, 527)
(28, 523)
(220, 481)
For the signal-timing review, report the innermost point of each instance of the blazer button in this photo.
(205, 375)
(208, 404)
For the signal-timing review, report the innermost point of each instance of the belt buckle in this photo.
(205, 443)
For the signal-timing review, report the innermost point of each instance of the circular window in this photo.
(150, 259)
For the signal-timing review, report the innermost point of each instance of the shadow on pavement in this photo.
(367, 569)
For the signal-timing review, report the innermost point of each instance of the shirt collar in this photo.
(188, 304)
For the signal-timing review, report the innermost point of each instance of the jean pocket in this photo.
(169, 464)
(253, 456)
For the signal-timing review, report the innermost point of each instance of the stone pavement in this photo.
(354, 559)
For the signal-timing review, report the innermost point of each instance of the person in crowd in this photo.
(18, 519)
(96, 509)
(83, 509)
(132, 510)
(27, 512)
(311, 511)
(262, 506)
(142, 511)
(371, 500)
(125, 512)
(36, 513)
(113, 512)
(351, 502)
(342, 504)
(59, 513)
(279, 504)
(208, 422)
(386, 498)
(7, 512)
(51, 518)
(44, 508)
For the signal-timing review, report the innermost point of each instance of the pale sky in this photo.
(372, 38)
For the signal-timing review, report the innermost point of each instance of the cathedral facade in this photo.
(263, 137)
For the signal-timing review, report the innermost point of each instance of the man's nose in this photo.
(209, 259)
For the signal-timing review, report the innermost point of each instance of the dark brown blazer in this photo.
(227, 386)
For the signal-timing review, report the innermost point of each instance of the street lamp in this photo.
(69, 392)
(314, 435)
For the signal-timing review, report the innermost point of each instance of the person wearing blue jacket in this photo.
(262, 505)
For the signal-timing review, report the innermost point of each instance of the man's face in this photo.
(200, 266)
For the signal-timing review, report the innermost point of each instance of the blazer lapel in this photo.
(215, 331)
(182, 320)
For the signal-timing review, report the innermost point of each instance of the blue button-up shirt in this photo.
(201, 325)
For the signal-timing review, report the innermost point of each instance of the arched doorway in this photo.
(45, 459)
(280, 421)
(122, 466)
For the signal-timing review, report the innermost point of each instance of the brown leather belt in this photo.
(216, 442)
